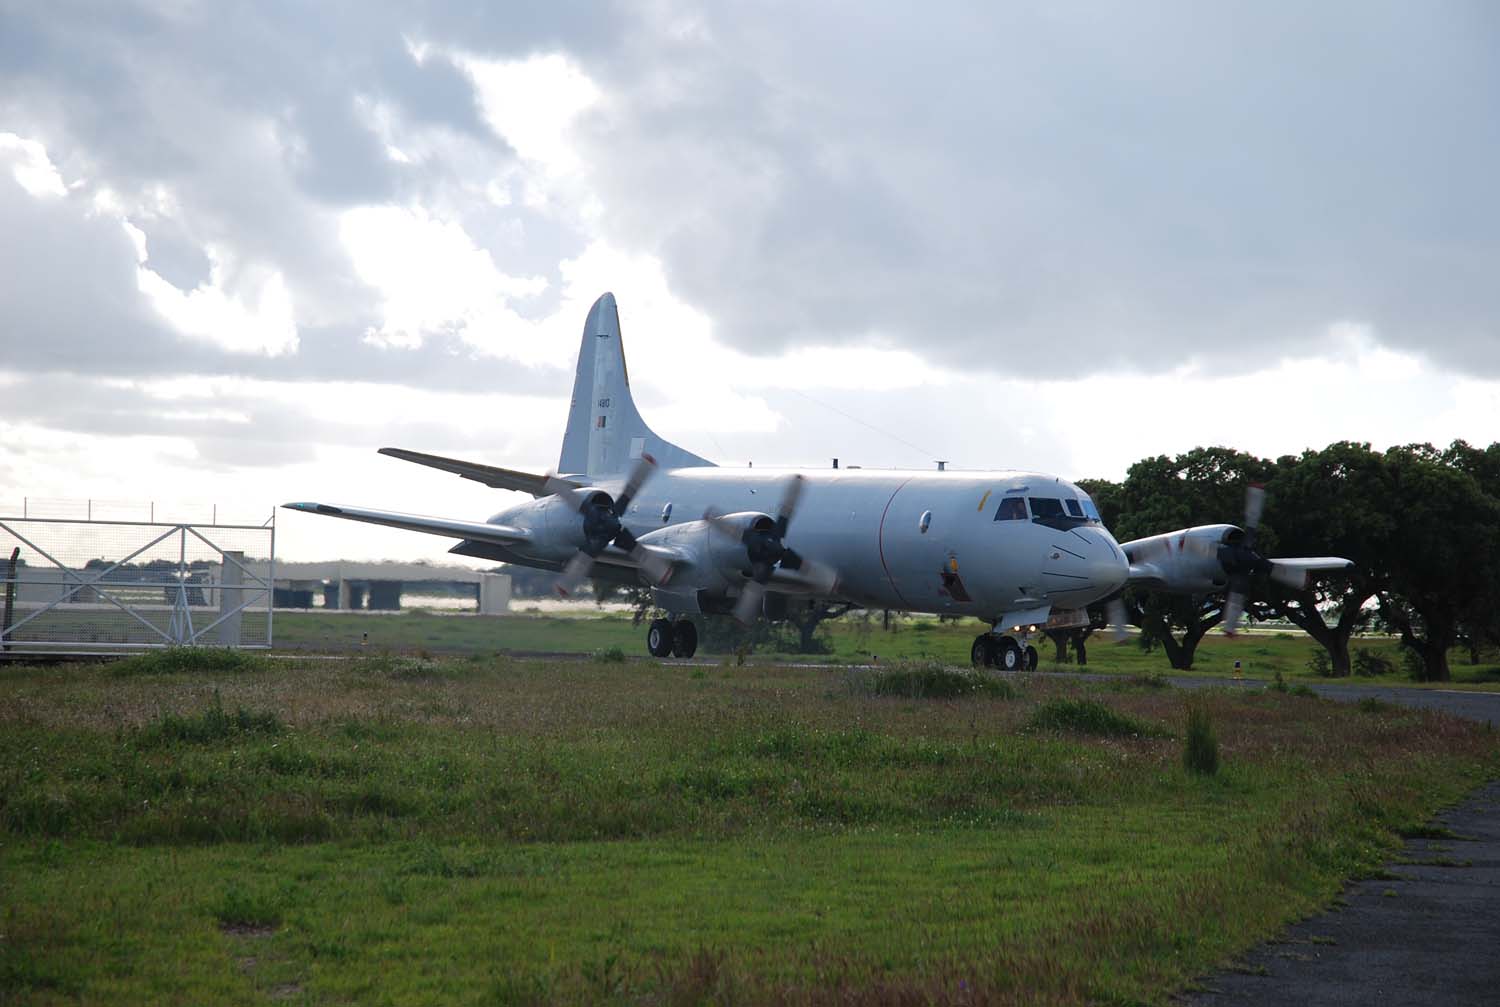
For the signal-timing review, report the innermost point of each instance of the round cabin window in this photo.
(924, 521)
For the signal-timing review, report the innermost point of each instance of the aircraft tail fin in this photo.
(605, 433)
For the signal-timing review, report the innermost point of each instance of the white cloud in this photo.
(31, 167)
(242, 308)
(532, 103)
(432, 278)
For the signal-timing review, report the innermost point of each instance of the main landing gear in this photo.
(1003, 652)
(666, 638)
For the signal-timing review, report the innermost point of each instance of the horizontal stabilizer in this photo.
(490, 475)
(474, 530)
(1292, 571)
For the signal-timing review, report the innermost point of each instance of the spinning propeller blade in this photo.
(767, 551)
(602, 527)
(1114, 615)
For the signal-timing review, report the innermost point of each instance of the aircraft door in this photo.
(922, 550)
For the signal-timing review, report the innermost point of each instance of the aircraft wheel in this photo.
(1032, 658)
(1010, 656)
(684, 638)
(659, 638)
(982, 654)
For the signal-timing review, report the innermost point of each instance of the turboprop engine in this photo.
(1210, 558)
(1186, 561)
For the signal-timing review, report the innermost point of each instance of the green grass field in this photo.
(850, 640)
(482, 830)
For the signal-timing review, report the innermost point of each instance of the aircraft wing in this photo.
(490, 475)
(474, 530)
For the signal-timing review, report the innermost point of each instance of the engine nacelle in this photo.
(727, 555)
(1186, 561)
(555, 522)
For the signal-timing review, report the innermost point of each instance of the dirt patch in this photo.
(246, 930)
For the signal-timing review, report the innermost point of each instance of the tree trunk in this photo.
(1334, 639)
(1180, 654)
(1059, 638)
(1433, 648)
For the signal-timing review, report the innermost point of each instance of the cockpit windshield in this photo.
(1068, 512)
(1011, 509)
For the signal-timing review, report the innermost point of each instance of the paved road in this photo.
(1428, 934)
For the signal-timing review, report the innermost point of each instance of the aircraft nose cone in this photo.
(1086, 567)
(1108, 568)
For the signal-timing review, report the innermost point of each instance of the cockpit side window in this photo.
(1045, 507)
(1090, 510)
(1011, 509)
(1073, 507)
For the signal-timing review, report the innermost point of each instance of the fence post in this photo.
(10, 598)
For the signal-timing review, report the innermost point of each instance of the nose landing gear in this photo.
(666, 638)
(1003, 652)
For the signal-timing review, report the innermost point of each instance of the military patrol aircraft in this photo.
(1023, 551)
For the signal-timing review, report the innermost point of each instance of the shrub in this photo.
(1368, 664)
(1302, 690)
(212, 724)
(1200, 748)
(176, 660)
(236, 907)
(610, 655)
(1411, 664)
(1319, 664)
(1278, 684)
(933, 680)
(1086, 716)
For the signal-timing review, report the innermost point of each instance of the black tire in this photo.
(1009, 656)
(684, 639)
(1032, 658)
(982, 654)
(659, 638)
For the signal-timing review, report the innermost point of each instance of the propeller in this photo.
(1241, 561)
(766, 548)
(602, 527)
(1115, 618)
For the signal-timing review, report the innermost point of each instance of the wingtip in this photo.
(311, 508)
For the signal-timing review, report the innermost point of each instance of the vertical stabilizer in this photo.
(605, 433)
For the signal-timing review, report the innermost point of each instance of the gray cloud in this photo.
(1021, 190)
(1140, 184)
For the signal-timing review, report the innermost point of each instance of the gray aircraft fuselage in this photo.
(921, 541)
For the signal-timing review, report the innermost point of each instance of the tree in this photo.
(1443, 556)
(1479, 626)
(1338, 501)
(1203, 486)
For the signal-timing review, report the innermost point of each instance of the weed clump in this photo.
(1368, 664)
(610, 655)
(213, 724)
(934, 680)
(1278, 684)
(179, 660)
(237, 909)
(1086, 716)
(1200, 748)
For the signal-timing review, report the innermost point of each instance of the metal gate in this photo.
(112, 587)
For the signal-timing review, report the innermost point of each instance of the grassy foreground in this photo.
(396, 830)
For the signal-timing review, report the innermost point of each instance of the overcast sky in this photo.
(244, 245)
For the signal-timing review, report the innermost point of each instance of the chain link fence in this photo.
(78, 586)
